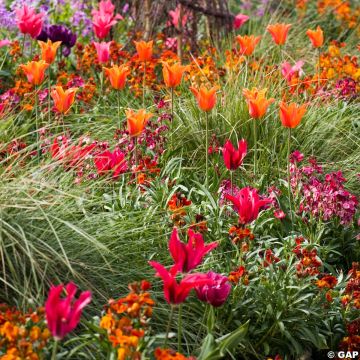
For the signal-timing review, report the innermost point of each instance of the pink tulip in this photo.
(215, 293)
(233, 158)
(104, 18)
(103, 51)
(188, 256)
(28, 21)
(240, 20)
(175, 17)
(176, 292)
(4, 42)
(247, 204)
(111, 161)
(289, 71)
(63, 313)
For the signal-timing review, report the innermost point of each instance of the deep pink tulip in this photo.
(215, 293)
(188, 256)
(240, 20)
(63, 313)
(4, 42)
(111, 161)
(175, 17)
(177, 292)
(103, 51)
(104, 18)
(233, 158)
(28, 21)
(247, 204)
(288, 71)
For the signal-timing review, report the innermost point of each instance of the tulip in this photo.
(35, 71)
(257, 102)
(117, 76)
(173, 74)
(215, 293)
(63, 314)
(240, 20)
(63, 100)
(48, 50)
(247, 43)
(4, 42)
(176, 292)
(316, 37)
(233, 158)
(291, 114)
(136, 121)
(144, 50)
(289, 71)
(175, 17)
(188, 256)
(206, 100)
(279, 32)
(28, 21)
(111, 161)
(247, 204)
(103, 51)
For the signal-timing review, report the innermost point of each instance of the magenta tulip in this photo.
(240, 20)
(29, 22)
(103, 51)
(109, 161)
(233, 158)
(104, 18)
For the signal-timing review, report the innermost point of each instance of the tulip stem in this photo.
(231, 183)
(37, 124)
(172, 104)
(255, 146)
(179, 328)
(169, 325)
(288, 174)
(54, 350)
(135, 152)
(118, 104)
(319, 70)
(207, 150)
(49, 97)
(144, 79)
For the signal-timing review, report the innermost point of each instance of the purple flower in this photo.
(215, 293)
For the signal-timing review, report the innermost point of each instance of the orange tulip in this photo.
(173, 74)
(206, 99)
(117, 76)
(247, 43)
(35, 71)
(291, 115)
(257, 102)
(48, 50)
(144, 50)
(136, 121)
(63, 99)
(316, 37)
(279, 32)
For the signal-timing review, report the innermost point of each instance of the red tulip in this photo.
(28, 21)
(247, 204)
(111, 161)
(233, 158)
(63, 314)
(188, 256)
(240, 20)
(177, 292)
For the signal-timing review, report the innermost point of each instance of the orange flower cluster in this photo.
(168, 354)
(309, 263)
(176, 205)
(327, 282)
(22, 335)
(146, 171)
(241, 235)
(352, 291)
(126, 320)
(239, 274)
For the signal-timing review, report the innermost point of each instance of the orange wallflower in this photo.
(63, 99)
(316, 37)
(136, 121)
(144, 49)
(247, 43)
(279, 32)
(48, 50)
(206, 99)
(257, 102)
(35, 71)
(117, 76)
(291, 115)
(173, 74)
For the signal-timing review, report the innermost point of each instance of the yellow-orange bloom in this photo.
(144, 49)
(117, 76)
(206, 99)
(137, 120)
(173, 74)
(316, 37)
(257, 102)
(291, 115)
(247, 43)
(48, 50)
(279, 32)
(63, 99)
(35, 71)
